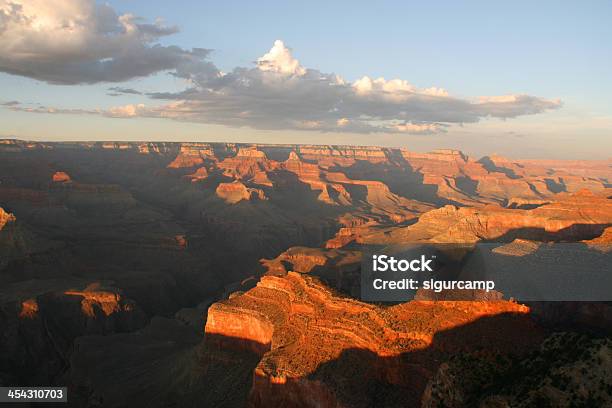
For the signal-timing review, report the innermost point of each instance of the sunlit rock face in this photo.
(304, 333)
(5, 218)
(568, 217)
(235, 192)
(61, 177)
(602, 242)
(191, 155)
(200, 174)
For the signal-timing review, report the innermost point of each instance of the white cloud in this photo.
(79, 41)
(126, 111)
(280, 60)
(393, 88)
(279, 93)
(416, 128)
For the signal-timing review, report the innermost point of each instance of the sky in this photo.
(522, 79)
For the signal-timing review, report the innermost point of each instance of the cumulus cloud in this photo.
(280, 93)
(79, 41)
(280, 60)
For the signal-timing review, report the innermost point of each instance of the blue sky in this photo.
(479, 47)
(550, 50)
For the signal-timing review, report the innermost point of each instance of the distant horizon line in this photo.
(289, 145)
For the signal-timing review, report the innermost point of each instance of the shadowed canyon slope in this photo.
(218, 274)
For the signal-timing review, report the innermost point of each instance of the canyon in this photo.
(228, 274)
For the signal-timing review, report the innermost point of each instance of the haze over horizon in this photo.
(520, 80)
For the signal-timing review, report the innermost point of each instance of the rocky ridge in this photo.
(303, 333)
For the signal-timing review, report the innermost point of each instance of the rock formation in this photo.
(235, 192)
(5, 218)
(304, 334)
(191, 155)
(200, 174)
(602, 242)
(61, 177)
(570, 217)
(38, 331)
